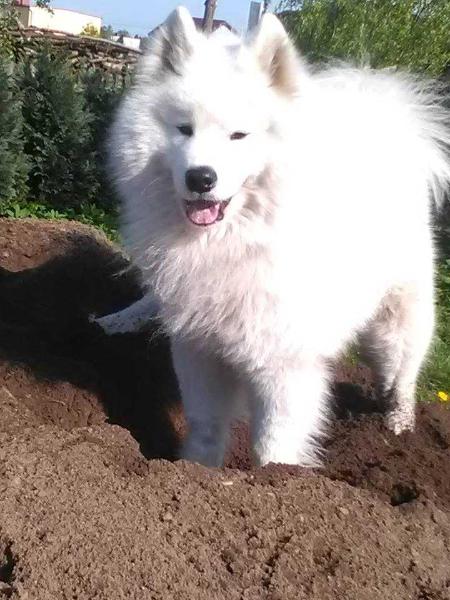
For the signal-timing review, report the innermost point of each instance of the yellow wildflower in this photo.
(443, 396)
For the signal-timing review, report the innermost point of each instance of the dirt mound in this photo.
(87, 513)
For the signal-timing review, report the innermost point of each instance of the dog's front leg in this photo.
(208, 390)
(288, 407)
(130, 319)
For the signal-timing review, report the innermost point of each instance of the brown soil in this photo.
(86, 512)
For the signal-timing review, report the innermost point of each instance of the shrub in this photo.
(102, 93)
(13, 163)
(53, 123)
(58, 137)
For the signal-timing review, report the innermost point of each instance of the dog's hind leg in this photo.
(130, 319)
(209, 390)
(395, 344)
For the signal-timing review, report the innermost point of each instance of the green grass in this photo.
(89, 214)
(436, 373)
(435, 376)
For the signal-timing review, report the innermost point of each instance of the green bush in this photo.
(13, 163)
(53, 124)
(102, 94)
(58, 137)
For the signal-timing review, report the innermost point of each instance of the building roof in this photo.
(199, 24)
(216, 23)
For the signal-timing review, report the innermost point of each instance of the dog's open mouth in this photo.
(205, 212)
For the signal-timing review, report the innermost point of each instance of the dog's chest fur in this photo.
(252, 304)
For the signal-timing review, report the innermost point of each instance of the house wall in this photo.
(24, 14)
(58, 19)
(130, 42)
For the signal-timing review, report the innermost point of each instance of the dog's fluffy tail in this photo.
(432, 107)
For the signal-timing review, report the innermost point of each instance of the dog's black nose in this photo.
(201, 179)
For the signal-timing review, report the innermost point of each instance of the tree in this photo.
(13, 163)
(382, 33)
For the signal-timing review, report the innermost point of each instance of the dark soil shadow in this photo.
(44, 326)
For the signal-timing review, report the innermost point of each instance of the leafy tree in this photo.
(13, 163)
(122, 33)
(106, 32)
(409, 33)
(9, 21)
(58, 138)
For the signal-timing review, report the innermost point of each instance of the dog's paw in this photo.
(110, 324)
(400, 420)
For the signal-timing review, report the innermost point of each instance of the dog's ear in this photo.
(276, 55)
(177, 37)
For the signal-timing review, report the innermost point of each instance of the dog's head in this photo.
(218, 103)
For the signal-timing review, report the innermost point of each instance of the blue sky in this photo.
(141, 16)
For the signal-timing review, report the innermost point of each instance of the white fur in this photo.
(130, 319)
(327, 236)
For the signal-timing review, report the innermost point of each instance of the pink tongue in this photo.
(202, 213)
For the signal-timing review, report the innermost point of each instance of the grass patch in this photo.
(436, 373)
(435, 376)
(87, 213)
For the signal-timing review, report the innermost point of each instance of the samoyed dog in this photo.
(278, 214)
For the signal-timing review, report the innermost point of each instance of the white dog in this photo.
(277, 215)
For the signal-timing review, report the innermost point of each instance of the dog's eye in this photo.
(186, 130)
(238, 135)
